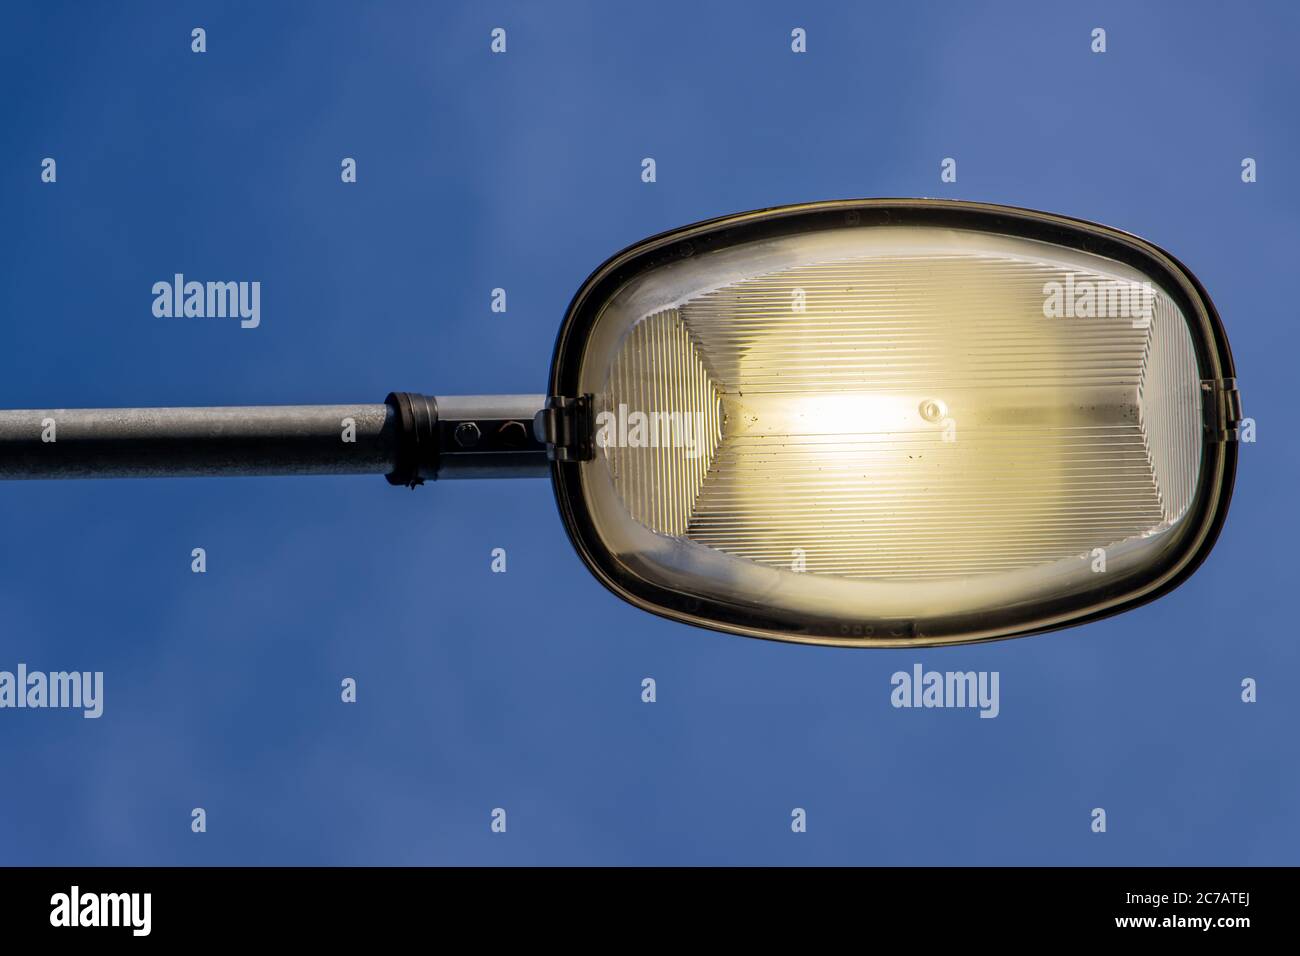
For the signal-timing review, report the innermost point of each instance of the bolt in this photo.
(467, 435)
(933, 410)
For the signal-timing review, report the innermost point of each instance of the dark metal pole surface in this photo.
(410, 438)
(184, 442)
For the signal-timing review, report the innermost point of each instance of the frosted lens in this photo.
(891, 424)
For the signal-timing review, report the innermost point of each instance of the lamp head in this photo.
(892, 422)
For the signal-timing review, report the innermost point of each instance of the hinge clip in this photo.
(565, 426)
(1221, 409)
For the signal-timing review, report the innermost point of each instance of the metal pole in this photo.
(405, 438)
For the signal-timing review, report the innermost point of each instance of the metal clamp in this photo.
(1221, 409)
(565, 426)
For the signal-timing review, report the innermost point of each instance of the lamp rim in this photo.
(1204, 519)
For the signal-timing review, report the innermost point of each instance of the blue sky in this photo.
(522, 690)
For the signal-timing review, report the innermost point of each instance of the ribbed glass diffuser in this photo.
(902, 421)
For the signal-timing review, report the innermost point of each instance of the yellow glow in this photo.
(910, 417)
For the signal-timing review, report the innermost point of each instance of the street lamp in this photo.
(867, 423)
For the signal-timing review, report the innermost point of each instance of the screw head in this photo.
(513, 434)
(467, 435)
(933, 410)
